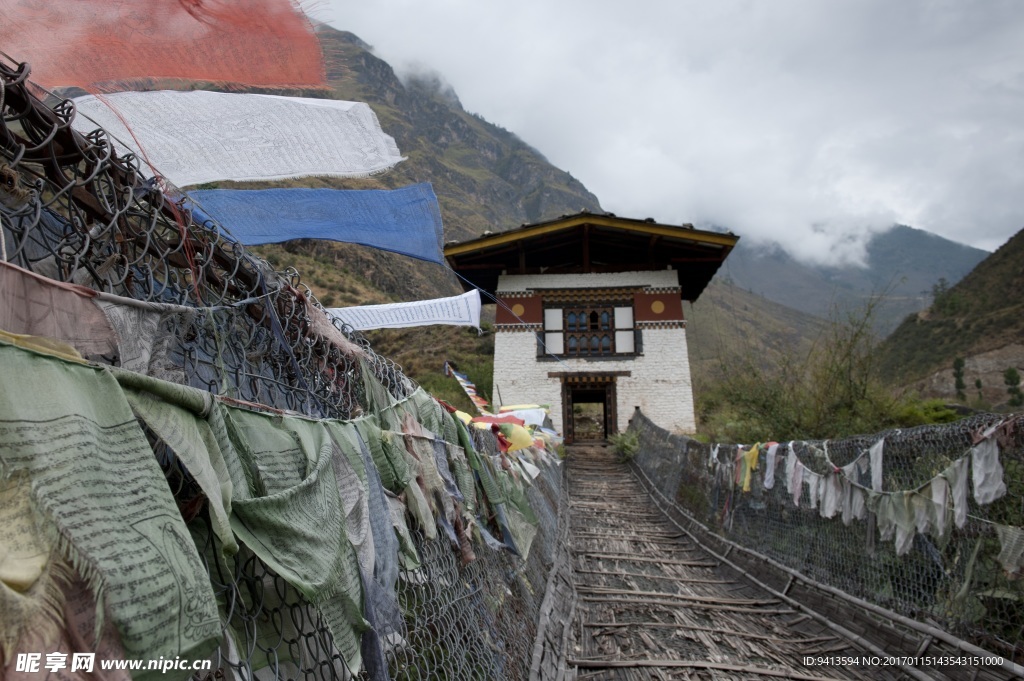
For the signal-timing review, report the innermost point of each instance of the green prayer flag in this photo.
(293, 517)
(94, 477)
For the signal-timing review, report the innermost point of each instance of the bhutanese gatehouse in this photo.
(590, 311)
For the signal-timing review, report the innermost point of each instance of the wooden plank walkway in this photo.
(652, 605)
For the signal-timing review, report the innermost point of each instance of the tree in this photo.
(834, 391)
(958, 374)
(939, 289)
(945, 300)
(1011, 377)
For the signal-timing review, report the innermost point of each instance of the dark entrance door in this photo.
(589, 408)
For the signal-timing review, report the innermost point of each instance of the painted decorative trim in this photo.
(670, 324)
(612, 296)
(588, 376)
(591, 358)
(519, 327)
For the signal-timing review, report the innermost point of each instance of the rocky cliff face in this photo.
(485, 177)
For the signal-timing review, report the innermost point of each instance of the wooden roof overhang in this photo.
(585, 243)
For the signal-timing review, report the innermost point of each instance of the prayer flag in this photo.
(89, 43)
(461, 310)
(196, 137)
(405, 221)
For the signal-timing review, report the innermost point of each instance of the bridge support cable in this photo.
(734, 526)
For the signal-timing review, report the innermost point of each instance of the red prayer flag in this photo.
(100, 44)
(504, 418)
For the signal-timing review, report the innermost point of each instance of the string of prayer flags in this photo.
(468, 387)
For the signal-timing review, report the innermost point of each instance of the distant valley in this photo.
(902, 265)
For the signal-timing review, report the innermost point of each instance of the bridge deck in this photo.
(653, 605)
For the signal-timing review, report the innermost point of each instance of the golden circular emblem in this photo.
(657, 307)
(518, 310)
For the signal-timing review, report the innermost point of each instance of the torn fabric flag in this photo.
(92, 475)
(89, 43)
(461, 310)
(196, 137)
(405, 221)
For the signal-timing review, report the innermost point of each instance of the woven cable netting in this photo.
(958, 582)
(75, 211)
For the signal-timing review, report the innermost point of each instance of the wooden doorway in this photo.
(589, 407)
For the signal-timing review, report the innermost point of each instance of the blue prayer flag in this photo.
(405, 221)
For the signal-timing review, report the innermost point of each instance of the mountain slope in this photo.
(485, 177)
(980, 319)
(728, 322)
(903, 263)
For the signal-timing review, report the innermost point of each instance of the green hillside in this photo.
(728, 322)
(980, 319)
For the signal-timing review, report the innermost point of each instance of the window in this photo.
(589, 331)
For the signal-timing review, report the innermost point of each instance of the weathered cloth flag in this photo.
(461, 310)
(469, 388)
(97, 44)
(79, 458)
(405, 221)
(196, 137)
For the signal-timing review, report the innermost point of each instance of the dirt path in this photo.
(652, 605)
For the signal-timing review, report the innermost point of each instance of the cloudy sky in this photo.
(812, 123)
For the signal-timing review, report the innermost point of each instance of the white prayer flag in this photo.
(196, 137)
(461, 310)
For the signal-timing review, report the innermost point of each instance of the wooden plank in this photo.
(647, 559)
(699, 605)
(674, 578)
(723, 632)
(607, 591)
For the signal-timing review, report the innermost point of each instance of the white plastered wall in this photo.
(659, 381)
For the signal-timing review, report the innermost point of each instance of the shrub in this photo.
(1011, 377)
(833, 391)
(626, 444)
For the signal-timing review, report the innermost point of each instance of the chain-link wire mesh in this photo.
(463, 622)
(74, 210)
(957, 582)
